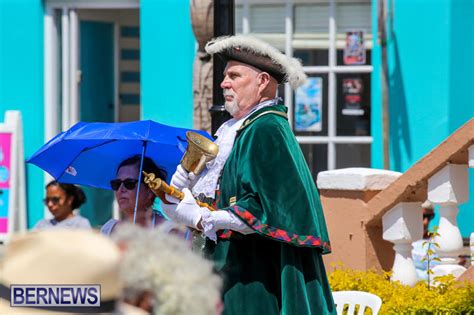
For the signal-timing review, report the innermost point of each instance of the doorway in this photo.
(92, 73)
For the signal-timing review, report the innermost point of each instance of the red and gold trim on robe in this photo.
(273, 232)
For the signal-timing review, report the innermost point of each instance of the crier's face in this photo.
(240, 87)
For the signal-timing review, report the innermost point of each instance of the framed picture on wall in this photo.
(354, 51)
(308, 105)
(352, 89)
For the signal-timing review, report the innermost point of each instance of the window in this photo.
(316, 32)
(267, 19)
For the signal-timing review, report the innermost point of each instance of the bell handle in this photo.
(158, 185)
(201, 165)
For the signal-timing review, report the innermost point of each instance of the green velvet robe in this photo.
(267, 184)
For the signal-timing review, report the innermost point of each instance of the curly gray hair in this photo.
(180, 281)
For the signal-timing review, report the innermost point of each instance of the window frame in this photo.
(332, 70)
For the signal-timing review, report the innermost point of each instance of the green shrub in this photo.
(447, 297)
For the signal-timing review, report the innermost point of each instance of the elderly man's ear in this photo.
(263, 80)
(267, 85)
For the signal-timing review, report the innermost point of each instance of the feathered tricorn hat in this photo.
(261, 55)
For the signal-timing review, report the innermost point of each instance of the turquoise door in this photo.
(97, 100)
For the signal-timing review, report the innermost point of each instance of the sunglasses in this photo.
(128, 183)
(53, 200)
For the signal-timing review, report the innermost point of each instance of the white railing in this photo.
(447, 188)
(373, 216)
(402, 225)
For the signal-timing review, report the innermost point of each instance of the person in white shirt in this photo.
(62, 200)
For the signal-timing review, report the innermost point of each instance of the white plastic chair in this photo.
(353, 298)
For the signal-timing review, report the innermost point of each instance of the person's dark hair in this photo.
(79, 198)
(148, 165)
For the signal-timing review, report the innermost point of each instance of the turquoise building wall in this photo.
(167, 54)
(461, 88)
(430, 66)
(21, 84)
(461, 68)
(430, 77)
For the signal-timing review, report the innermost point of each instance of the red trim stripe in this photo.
(275, 233)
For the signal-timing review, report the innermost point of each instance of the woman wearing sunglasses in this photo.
(125, 186)
(62, 200)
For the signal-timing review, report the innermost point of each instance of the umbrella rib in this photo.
(82, 151)
(98, 145)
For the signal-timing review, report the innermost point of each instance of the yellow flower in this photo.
(445, 297)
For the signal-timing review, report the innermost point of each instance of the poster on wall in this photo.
(308, 105)
(12, 176)
(354, 51)
(352, 89)
(5, 167)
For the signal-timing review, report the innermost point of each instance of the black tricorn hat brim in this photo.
(263, 63)
(259, 54)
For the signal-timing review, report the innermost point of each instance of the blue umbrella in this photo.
(89, 153)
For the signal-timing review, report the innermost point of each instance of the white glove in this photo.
(187, 212)
(182, 179)
(220, 220)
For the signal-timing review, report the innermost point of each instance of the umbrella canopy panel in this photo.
(90, 153)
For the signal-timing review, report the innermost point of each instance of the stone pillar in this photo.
(448, 188)
(344, 196)
(402, 225)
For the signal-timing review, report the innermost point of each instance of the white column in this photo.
(74, 67)
(66, 112)
(448, 188)
(51, 95)
(332, 97)
(51, 58)
(402, 225)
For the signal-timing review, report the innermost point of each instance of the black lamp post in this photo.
(223, 25)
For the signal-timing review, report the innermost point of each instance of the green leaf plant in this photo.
(431, 254)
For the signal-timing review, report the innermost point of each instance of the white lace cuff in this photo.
(220, 220)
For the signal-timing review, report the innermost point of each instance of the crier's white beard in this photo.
(232, 107)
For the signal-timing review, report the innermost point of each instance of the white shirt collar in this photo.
(207, 182)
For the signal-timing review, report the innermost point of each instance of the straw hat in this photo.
(62, 257)
(261, 55)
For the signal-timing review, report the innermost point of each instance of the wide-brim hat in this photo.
(61, 257)
(259, 54)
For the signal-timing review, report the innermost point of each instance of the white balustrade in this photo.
(402, 225)
(448, 188)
